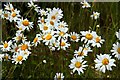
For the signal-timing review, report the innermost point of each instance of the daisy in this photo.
(26, 53)
(81, 52)
(59, 76)
(41, 20)
(87, 48)
(62, 33)
(15, 48)
(14, 16)
(25, 22)
(44, 27)
(55, 14)
(1, 57)
(37, 39)
(25, 45)
(85, 4)
(5, 15)
(18, 58)
(49, 38)
(62, 25)
(63, 44)
(88, 36)
(9, 7)
(95, 15)
(118, 34)
(6, 57)
(18, 37)
(74, 36)
(104, 62)
(116, 50)
(97, 41)
(78, 64)
(6, 46)
(43, 12)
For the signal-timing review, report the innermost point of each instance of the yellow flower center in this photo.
(118, 50)
(95, 14)
(42, 20)
(25, 22)
(52, 23)
(97, 40)
(105, 61)
(35, 40)
(24, 47)
(6, 15)
(19, 58)
(89, 36)
(48, 37)
(61, 26)
(73, 37)
(61, 33)
(53, 17)
(18, 38)
(45, 28)
(20, 28)
(78, 65)
(85, 48)
(5, 45)
(80, 53)
(85, 4)
(6, 57)
(62, 44)
(13, 14)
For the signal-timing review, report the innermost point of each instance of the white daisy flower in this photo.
(116, 50)
(15, 16)
(6, 57)
(78, 64)
(85, 4)
(59, 76)
(18, 37)
(15, 48)
(26, 53)
(18, 58)
(1, 57)
(104, 62)
(62, 33)
(88, 36)
(87, 48)
(81, 52)
(43, 12)
(25, 22)
(95, 15)
(74, 36)
(41, 20)
(55, 14)
(118, 34)
(49, 38)
(6, 46)
(25, 45)
(63, 44)
(45, 27)
(62, 25)
(97, 41)
(5, 15)
(9, 6)
(37, 39)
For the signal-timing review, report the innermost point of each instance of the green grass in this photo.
(78, 19)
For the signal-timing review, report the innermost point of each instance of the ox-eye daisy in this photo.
(78, 64)
(6, 57)
(49, 38)
(43, 12)
(5, 15)
(116, 50)
(81, 52)
(15, 48)
(18, 58)
(63, 44)
(26, 23)
(85, 4)
(118, 34)
(26, 53)
(25, 45)
(97, 41)
(88, 36)
(104, 62)
(74, 37)
(95, 15)
(59, 76)
(6, 46)
(14, 16)
(37, 39)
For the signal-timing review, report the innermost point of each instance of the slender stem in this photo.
(29, 11)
